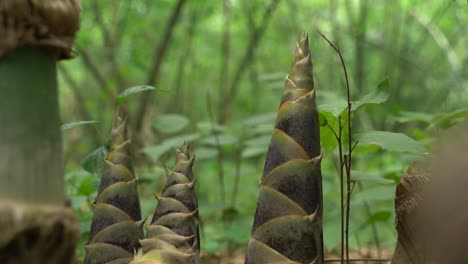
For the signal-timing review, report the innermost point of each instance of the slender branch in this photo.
(95, 72)
(348, 158)
(100, 22)
(110, 42)
(333, 131)
(158, 59)
(247, 58)
(225, 52)
(360, 59)
(184, 59)
(123, 22)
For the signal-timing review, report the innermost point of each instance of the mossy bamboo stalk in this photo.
(287, 226)
(35, 225)
(117, 226)
(173, 236)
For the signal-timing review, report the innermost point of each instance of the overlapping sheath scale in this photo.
(173, 236)
(117, 226)
(287, 226)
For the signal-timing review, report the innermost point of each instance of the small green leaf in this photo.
(368, 177)
(379, 96)
(88, 186)
(93, 163)
(447, 120)
(409, 117)
(336, 108)
(331, 123)
(391, 141)
(164, 91)
(382, 216)
(75, 124)
(171, 123)
(132, 90)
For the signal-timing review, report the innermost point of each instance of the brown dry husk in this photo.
(37, 234)
(41, 23)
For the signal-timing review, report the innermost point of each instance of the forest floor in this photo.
(238, 257)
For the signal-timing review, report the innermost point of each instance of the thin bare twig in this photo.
(95, 72)
(110, 42)
(348, 158)
(225, 52)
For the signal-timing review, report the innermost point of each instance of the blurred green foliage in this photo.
(224, 97)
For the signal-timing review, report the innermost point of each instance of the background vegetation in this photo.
(219, 68)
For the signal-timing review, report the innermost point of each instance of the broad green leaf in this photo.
(171, 123)
(447, 120)
(88, 186)
(329, 123)
(368, 177)
(93, 163)
(391, 141)
(156, 151)
(221, 140)
(132, 90)
(382, 216)
(380, 95)
(76, 124)
(337, 106)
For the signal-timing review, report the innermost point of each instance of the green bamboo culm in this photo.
(173, 236)
(117, 226)
(287, 225)
(36, 225)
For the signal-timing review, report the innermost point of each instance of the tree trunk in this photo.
(36, 226)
